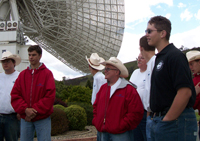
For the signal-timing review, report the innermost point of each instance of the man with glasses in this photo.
(172, 93)
(9, 120)
(138, 78)
(118, 107)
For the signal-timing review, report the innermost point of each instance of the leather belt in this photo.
(8, 114)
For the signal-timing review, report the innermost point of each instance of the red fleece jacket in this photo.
(34, 89)
(120, 113)
(196, 80)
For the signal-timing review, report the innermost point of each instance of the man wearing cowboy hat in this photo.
(118, 107)
(98, 77)
(193, 57)
(9, 122)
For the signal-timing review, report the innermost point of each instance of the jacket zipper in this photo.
(31, 88)
(106, 106)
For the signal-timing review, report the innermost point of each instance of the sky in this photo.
(183, 14)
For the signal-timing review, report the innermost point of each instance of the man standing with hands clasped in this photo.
(118, 107)
(33, 96)
(172, 94)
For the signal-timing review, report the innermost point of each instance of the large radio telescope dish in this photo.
(73, 29)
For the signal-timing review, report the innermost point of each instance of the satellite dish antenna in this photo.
(69, 29)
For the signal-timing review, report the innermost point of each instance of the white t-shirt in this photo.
(150, 66)
(138, 78)
(98, 81)
(114, 87)
(6, 84)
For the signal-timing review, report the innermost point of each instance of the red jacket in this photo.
(34, 89)
(120, 113)
(196, 80)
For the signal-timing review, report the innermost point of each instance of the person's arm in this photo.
(135, 111)
(179, 104)
(197, 88)
(17, 101)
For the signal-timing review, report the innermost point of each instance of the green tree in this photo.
(80, 94)
(88, 84)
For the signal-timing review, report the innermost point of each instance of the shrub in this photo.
(77, 117)
(59, 107)
(80, 94)
(88, 109)
(60, 102)
(59, 122)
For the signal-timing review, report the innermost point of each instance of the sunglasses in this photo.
(149, 31)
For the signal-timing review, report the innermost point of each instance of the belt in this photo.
(158, 114)
(8, 114)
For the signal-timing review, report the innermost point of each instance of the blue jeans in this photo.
(139, 133)
(148, 127)
(184, 128)
(9, 127)
(98, 136)
(104, 136)
(42, 128)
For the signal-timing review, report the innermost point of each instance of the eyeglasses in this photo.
(149, 31)
(108, 69)
(139, 58)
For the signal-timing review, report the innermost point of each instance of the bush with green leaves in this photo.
(59, 107)
(80, 94)
(60, 102)
(88, 109)
(77, 117)
(59, 122)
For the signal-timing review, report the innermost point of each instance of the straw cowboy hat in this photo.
(118, 64)
(9, 55)
(193, 55)
(94, 61)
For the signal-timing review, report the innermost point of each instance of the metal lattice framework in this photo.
(73, 29)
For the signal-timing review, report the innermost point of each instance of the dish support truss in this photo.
(73, 29)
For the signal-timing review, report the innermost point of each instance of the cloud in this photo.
(168, 15)
(197, 16)
(186, 15)
(181, 5)
(58, 68)
(130, 47)
(188, 39)
(141, 11)
(159, 6)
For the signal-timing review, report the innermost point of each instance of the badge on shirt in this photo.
(160, 65)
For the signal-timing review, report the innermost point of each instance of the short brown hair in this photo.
(161, 23)
(37, 48)
(145, 45)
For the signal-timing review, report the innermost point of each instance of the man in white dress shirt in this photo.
(98, 77)
(9, 123)
(148, 52)
(138, 78)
